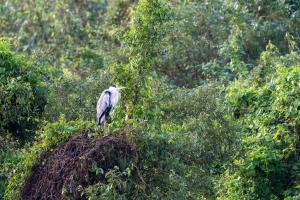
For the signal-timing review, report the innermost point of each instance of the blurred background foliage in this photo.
(212, 99)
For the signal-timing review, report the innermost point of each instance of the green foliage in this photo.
(22, 94)
(187, 52)
(148, 27)
(181, 134)
(9, 157)
(75, 98)
(199, 114)
(205, 39)
(117, 186)
(183, 142)
(61, 33)
(150, 19)
(212, 114)
(118, 12)
(260, 22)
(267, 106)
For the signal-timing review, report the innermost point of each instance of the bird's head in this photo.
(119, 88)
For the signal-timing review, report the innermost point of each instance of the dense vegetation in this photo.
(212, 98)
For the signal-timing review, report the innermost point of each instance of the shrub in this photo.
(267, 105)
(9, 157)
(22, 93)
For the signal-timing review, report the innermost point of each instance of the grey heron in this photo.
(107, 102)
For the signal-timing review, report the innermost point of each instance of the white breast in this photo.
(115, 95)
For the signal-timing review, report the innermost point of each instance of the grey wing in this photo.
(102, 105)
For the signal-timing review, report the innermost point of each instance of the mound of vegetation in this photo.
(71, 167)
(69, 160)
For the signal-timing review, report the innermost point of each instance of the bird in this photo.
(107, 102)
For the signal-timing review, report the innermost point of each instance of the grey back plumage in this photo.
(102, 105)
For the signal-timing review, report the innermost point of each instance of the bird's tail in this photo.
(101, 120)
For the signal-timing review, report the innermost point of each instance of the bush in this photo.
(22, 94)
(267, 105)
(9, 157)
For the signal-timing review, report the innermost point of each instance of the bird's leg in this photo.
(105, 130)
(105, 127)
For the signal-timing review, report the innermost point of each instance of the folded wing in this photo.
(103, 107)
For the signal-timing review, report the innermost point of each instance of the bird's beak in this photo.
(120, 88)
